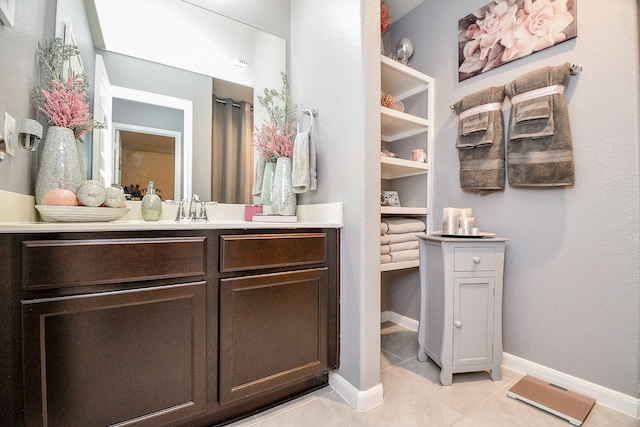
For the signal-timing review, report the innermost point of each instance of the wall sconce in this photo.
(28, 135)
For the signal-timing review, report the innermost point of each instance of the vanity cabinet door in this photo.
(134, 357)
(273, 332)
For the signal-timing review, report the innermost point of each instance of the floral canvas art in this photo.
(505, 30)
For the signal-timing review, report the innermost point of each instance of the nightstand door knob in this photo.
(458, 324)
(476, 259)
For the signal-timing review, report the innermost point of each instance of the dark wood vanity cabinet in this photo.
(164, 328)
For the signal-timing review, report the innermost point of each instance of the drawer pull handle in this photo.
(476, 259)
(458, 324)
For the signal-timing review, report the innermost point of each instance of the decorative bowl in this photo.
(52, 213)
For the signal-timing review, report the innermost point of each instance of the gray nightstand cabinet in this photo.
(461, 304)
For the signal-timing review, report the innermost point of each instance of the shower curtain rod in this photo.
(222, 101)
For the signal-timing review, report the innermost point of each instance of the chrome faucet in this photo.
(193, 215)
(192, 208)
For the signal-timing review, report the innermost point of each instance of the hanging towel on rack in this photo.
(303, 175)
(258, 174)
(539, 151)
(480, 140)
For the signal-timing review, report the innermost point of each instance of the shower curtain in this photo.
(231, 151)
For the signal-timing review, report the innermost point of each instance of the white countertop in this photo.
(20, 216)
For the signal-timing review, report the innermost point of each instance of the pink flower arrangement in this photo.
(271, 144)
(385, 19)
(66, 105)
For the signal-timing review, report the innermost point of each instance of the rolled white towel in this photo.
(404, 225)
(384, 259)
(383, 228)
(384, 249)
(410, 255)
(385, 239)
(404, 246)
(404, 237)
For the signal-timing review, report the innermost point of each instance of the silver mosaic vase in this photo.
(267, 183)
(283, 199)
(59, 165)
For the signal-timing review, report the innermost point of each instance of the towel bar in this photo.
(574, 70)
(310, 111)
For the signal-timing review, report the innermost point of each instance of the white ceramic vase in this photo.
(59, 164)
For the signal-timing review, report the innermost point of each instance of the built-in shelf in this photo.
(397, 128)
(401, 81)
(393, 168)
(397, 125)
(391, 266)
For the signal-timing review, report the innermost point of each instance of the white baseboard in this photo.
(613, 399)
(407, 322)
(359, 400)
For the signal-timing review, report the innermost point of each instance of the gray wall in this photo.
(335, 66)
(571, 294)
(20, 73)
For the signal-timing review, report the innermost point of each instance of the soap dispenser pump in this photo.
(151, 204)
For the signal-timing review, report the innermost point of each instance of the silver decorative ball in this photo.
(404, 50)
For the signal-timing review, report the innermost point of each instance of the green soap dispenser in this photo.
(151, 204)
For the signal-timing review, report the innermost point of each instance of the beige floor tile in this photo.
(313, 413)
(467, 391)
(404, 405)
(413, 396)
(601, 416)
(387, 360)
(399, 341)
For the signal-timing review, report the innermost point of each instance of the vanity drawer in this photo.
(474, 258)
(257, 251)
(50, 264)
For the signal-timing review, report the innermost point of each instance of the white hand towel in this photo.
(313, 173)
(385, 249)
(300, 175)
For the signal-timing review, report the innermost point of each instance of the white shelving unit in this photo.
(402, 132)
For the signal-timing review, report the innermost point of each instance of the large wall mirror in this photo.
(170, 68)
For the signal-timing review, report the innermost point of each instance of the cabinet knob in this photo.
(476, 259)
(458, 324)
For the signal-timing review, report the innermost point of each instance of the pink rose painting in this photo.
(505, 30)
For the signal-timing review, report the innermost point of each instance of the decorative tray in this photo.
(464, 236)
(52, 213)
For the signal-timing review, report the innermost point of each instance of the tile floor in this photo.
(414, 397)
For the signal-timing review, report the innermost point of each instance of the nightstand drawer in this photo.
(474, 258)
